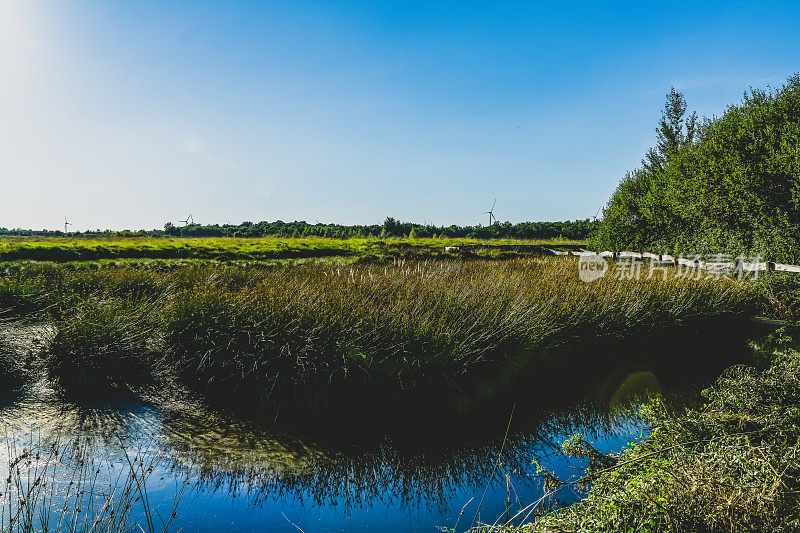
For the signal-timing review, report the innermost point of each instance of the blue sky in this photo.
(129, 114)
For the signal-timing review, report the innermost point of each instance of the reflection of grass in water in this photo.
(50, 487)
(264, 466)
(241, 459)
(208, 443)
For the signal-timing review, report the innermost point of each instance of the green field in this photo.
(61, 249)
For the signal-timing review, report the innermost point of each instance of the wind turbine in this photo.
(189, 220)
(597, 213)
(66, 223)
(490, 212)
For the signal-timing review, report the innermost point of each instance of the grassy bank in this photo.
(338, 342)
(733, 465)
(63, 249)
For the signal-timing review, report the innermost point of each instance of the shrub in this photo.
(781, 291)
(733, 465)
(735, 189)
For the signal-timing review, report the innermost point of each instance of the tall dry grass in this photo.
(320, 340)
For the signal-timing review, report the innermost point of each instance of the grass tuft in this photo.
(101, 346)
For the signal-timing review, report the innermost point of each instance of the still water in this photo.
(233, 475)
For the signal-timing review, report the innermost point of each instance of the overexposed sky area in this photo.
(133, 113)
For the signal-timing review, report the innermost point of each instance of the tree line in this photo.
(574, 230)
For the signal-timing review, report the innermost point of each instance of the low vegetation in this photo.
(59, 487)
(780, 293)
(732, 465)
(60, 249)
(102, 346)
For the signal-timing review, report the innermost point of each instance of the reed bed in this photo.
(102, 346)
(316, 340)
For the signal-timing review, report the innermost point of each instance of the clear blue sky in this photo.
(133, 113)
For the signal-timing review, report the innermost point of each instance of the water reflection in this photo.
(243, 474)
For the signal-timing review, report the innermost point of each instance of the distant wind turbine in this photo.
(598, 212)
(490, 212)
(189, 220)
(66, 223)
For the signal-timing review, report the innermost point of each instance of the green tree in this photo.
(673, 132)
(729, 186)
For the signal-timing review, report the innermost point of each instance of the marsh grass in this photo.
(16, 299)
(321, 341)
(414, 334)
(101, 346)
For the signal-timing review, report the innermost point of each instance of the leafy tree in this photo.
(731, 186)
(673, 132)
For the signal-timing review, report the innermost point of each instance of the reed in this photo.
(412, 335)
(101, 346)
(320, 341)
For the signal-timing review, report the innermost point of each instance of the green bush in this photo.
(733, 188)
(733, 465)
(781, 291)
